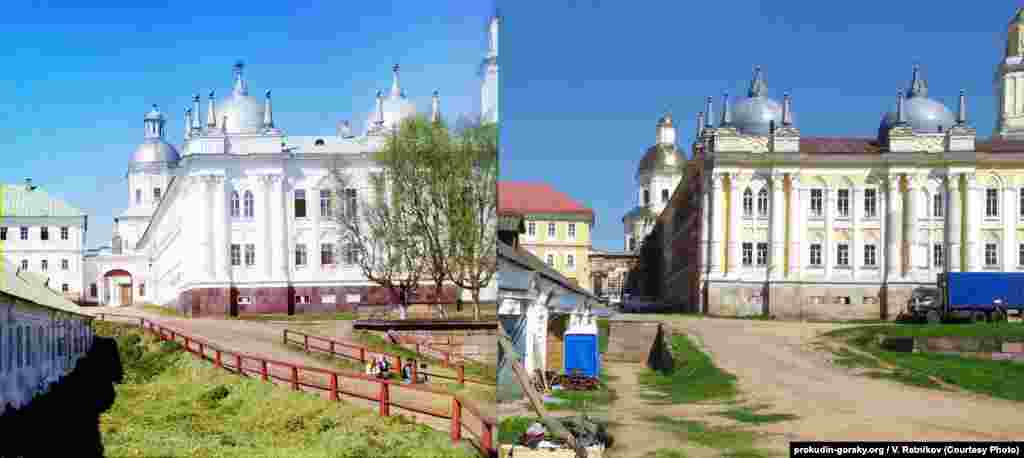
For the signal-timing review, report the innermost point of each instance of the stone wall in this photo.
(808, 301)
(203, 302)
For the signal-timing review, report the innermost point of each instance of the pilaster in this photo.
(796, 226)
(734, 225)
(777, 226)
(266, 251)
(828, 251)
(1009, 220)
(856, 251)
(894, 226)
(221, 225)
(706, 220)
(910, 224)
(974, 209)
(951, 254)
(717, 230)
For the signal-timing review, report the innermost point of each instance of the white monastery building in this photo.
(239, 218)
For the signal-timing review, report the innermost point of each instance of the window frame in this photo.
(326, 203)
(250, 254)
(572, 231)
(157, 194)
(664, 196)
(761, 255)
(991, 203)
(299, 197)
(65, 264)
(301, 254)
(236, 255)
(842, 254)
(816, 203)
(747, 254)
(23, 232)
(748, 203)
(552, 231)
(550, 258)
(44, 233)
(44, 265)
(870, 203)
(763, 203)
(65, 233)
(870, 255)
(236, 205)
(570, 262)
(327, 254)
(938, 255)
(531, 229)
(815, 251)
(843, 203)
(248, 204)
(994, 253)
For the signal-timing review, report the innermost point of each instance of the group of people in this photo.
(379, 367)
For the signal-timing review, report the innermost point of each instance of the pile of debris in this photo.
(587, 432)
(576, 382)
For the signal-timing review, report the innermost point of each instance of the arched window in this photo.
(664, 196)
(319, 142)
(138, 197)
(234, 204)
(938, 205)
(647, 196)
(748, 203)
(762, 202)
(250, 207)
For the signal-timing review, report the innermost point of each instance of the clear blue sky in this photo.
(584, 81)
(78, 80)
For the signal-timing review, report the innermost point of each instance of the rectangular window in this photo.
(870, 255)
(236, 254)
(843, 203)
(24, 264)
(938, 205)
(300, 203)
(301, 299)
(64, 264)
(815, 254)
(816, 198)
(3, 233)
(762, 254)
(570, 262)
(748, 254)
(92, 290)
(250, 254)
(531, 229)
(991, 258)
(24, 233)
(1020, 204)
(1020, 255)
(326, 203)
(327, 254)
(44, 233)
(991, 203)
(351, 204)
(843, 254)
(870, 203)
(551, 260)
(64, 287)
(156, 194)
(937, 252)
(351, 254)
(142, 290)
(551, 230)
(44, 265)
(63, 233)
(300, 254)
(572, 231)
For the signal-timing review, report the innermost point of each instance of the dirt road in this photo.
(776, 364)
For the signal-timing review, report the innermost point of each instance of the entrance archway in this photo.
(118, 288)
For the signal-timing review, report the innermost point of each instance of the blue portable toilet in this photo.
(581, 346)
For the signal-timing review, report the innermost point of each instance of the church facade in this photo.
(766, 221)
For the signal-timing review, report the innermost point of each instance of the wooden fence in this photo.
(304, 378)
(360, 353)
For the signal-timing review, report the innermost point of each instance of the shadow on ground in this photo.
(69, 414)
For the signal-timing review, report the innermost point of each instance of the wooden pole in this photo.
(415, 371)
(295, 378)
(218, 359)
(238, 364)
(462, 374)
(456, 427)
(334, 387)
(486, 440)
(385, 400)
(305, 342)
(263, 370)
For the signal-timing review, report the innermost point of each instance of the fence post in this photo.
(202, 351)
(486, 440)
(385, 400)
(415, 370)
(263, 370)
(462, 374)
(218, 359)
(447, 359)
(399, 364)
(305, 342)
(187, 342)
(238, 363)
(295, 378)
(142, 323)
(173, 337)
(417, 348)
(285, 338)
(456, 427)
(332, 347)
(334, 387)
(362, 354)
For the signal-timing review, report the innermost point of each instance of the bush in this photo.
(168, 346)
(295, 424)
(327, 424)
(213, 396)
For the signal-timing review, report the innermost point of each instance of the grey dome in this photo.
(244, 113)
(155, 150)
(753, 115)
(661, 158)
(397, 108)
(922, 114)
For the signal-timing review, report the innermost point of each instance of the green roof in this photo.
(32, 288)
(17, 200)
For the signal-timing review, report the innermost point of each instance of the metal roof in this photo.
(32, 288)
(19, 200)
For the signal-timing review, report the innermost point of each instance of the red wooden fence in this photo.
(484, 441)
(359, 353)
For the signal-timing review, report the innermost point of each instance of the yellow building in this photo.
(557, 227)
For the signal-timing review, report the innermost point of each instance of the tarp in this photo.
(581, 353)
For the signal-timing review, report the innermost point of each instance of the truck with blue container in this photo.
(977, 296)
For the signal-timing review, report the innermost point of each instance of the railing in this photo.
(360, 353)
(300, 377)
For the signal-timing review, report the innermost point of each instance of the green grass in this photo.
(300, 317)
(731, 442)
(666, 453)
(165, 311)
(751, 416)
(849, 359)
(581, 400)
(695, 378)
(603, 330)
(511, 428)
(998, 379)
(376, 342)
(174, 405)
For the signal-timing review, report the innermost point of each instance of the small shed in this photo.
(582, 350)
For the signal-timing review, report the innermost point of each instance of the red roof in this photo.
(522, 198)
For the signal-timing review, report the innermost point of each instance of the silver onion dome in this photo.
(920, 113)
(154, 148)
(243, 112)
(394, 108)
(753, 115)
(660, 158)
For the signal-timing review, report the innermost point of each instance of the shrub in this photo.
(214, 395)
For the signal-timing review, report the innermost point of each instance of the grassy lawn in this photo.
(511, 428)
(300, 317)
(695, 378)
(998, 379)
(730, 442)
(603, 330)
(582, 400)
(165, 311)
(750, 415)
(172, 405)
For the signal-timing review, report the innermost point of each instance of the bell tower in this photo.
(1010, 82)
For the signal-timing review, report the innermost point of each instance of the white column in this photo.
(796, 226)
(856, 244)
(910, 224)
(209, 241)
(222, 237)
(734, 225)
(266, 209)
(313, 210)
(1009, 218)
(894, 226)
(282, 222)
(828, 250)
(717, 197)
(974, 208)
(707, 219)
(777, 226)
(951, 249)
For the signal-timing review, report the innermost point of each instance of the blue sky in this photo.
(78, 80)
(584, 81)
